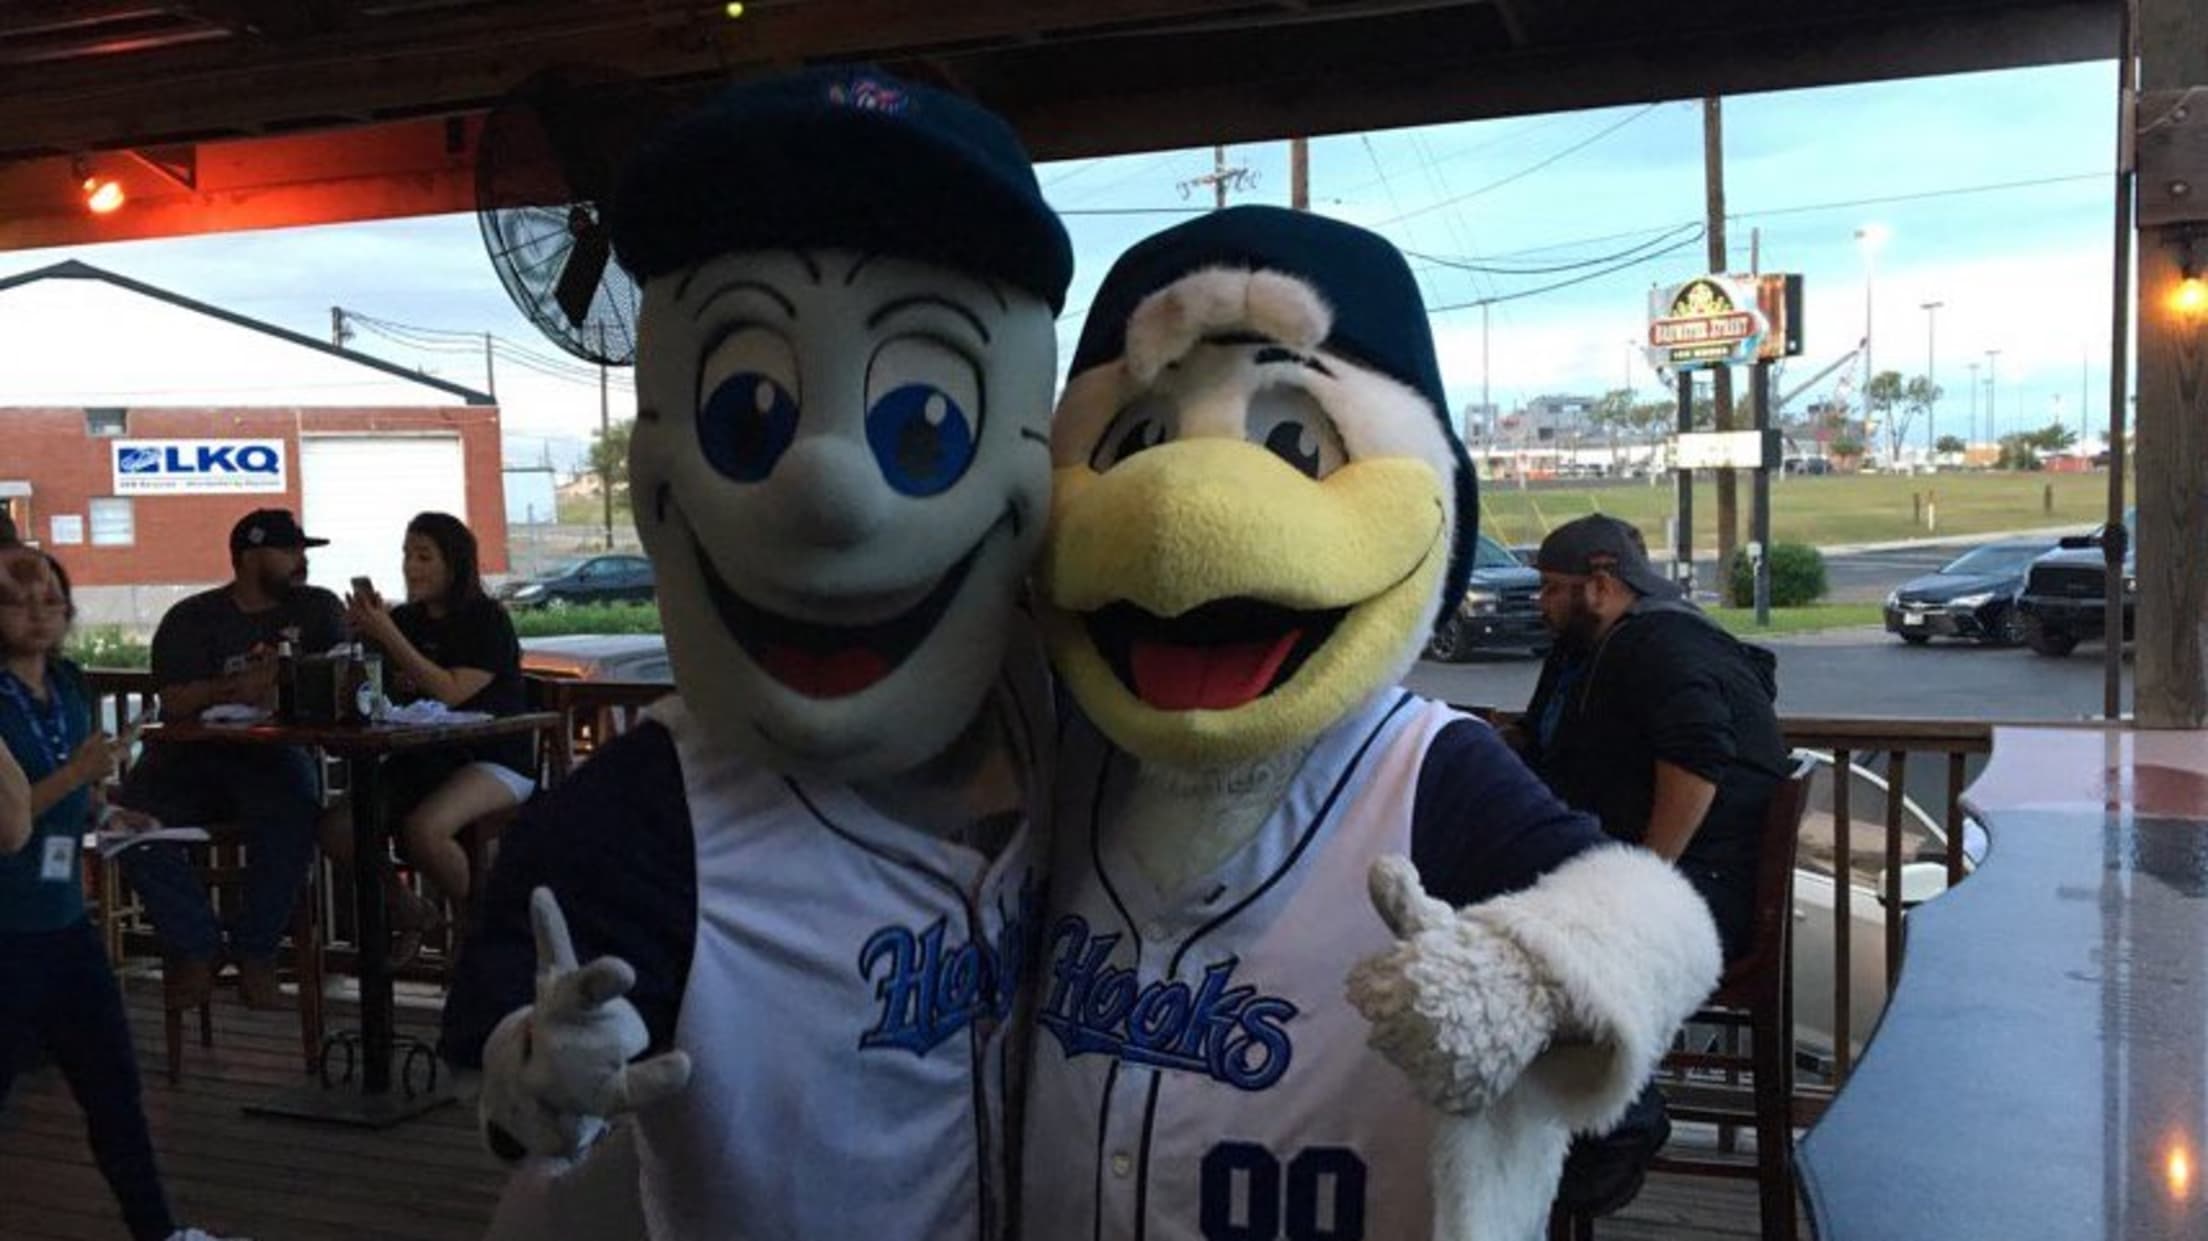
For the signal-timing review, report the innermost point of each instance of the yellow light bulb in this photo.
(104, 196)
(734, 9)
(2190, 296)
(2177, 1169)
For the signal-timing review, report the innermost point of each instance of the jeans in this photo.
(56, 990)
(270, 793)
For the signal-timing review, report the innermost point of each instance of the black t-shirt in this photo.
(207, 635)
(477, 634)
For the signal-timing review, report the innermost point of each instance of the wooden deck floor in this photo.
(427, 1180)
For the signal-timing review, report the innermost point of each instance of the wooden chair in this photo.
(222, 866)
(1755, 995)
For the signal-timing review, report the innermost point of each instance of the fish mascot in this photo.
(755, 969)
(1322, 958)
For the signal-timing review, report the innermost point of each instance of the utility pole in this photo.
(605, 438)
(1931, 381)
(1219, 178)
(1299, 173)
(1713, 177)
(490, 370)
(339, 333)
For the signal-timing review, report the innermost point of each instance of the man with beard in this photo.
(1662, 725)
(213, 648)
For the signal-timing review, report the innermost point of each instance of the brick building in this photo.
(137, 425)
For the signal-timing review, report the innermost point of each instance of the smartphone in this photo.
(363, 589)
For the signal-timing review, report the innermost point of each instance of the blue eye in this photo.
(921, 437)
(746, 425)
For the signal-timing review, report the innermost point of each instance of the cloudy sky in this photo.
(1993, 191)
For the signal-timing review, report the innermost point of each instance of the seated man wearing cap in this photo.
(217, 647)
(1662, 725)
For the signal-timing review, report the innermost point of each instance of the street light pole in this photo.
(1931, 379)
(1974, 402)
(1993, 392)
(1868, 238)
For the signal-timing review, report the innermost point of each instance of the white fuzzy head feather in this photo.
(1173, 320)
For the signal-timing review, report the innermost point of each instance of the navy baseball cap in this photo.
(270, 527)
(1598, 544)
(842, 156)
(1379, 317)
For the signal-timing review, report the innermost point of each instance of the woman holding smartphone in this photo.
(57, 989)
(450, 642)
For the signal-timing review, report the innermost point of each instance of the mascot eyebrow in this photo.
(886, 309)
(852, 277)
(1269, 350)
(805, 259)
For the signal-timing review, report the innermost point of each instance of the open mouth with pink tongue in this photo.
(830, 661)
(1217, 657)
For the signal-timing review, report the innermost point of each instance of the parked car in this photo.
(598, 657)
(611, 578)
(1972, 596)
(1499, 611)
(1923, 876)
(2065, 596)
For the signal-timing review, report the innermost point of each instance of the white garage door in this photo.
(360, 491)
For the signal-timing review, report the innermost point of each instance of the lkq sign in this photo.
(198, 467)
(1708, 321)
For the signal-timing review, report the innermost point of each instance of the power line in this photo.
(1650, 257)
(1552, 269)
(1528, 170)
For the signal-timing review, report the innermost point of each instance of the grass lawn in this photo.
(1823, 512)
(1742, 621)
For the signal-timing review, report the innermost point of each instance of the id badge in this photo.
(58, 865)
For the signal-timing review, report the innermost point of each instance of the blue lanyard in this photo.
(47, 719)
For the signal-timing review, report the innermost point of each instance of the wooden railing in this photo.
(598, 711)
(1830, 844)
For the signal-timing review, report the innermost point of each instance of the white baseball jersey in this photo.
(854, 1015)
(1198, 1073)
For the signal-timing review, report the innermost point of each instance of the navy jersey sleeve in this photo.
(1483, 824)
(614, 845)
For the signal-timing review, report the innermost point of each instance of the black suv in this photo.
(2064, 599)
(1500, 610)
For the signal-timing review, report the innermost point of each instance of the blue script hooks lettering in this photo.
(1228, 1033)
(930, 991)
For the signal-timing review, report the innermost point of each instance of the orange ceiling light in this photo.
(103, 195)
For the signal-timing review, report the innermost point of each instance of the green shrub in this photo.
(108, 646)
(1797, 577)
(586, 618)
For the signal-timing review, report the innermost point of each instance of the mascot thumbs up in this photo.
(1323, 957)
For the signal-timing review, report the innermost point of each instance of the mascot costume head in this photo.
(839, 462)
(1258, 495)
(1259, 512)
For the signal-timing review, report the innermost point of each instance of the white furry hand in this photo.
(554, 1071)
(1455, 1004)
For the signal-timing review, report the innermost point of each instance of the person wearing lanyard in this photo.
(56, 987)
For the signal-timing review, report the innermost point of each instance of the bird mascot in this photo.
(755, 969)
(1322, 958)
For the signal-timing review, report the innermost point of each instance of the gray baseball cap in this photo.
(1599, 544)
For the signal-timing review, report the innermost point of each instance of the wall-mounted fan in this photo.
(545, 169)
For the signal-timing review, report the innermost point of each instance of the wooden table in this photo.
(363, 750)
(2039, 1073)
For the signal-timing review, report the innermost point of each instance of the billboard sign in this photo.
(199, 467)
(1707, 321)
